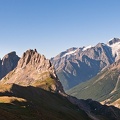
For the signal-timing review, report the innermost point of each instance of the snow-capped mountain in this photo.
(74, 51)
(77, 65)
(70, 53)
(85, 48)
(114, 44)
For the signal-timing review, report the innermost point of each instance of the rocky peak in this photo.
(34, 69)
(86, 62)
(71, 49)
(8, 63)
(31, 58)
(11, 54)
(113, 41)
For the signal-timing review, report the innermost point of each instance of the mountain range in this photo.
(77, 65)
(32, 91)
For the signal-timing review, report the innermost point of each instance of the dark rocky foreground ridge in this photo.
(33, 91)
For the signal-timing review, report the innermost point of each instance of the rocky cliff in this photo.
(79, 64)
(8, 63)
(34, 69)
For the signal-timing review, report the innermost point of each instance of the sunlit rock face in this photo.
(34, 69)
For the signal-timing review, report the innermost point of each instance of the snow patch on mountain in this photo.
(73, 52)
(115, 48)
(113, 40)
(69, 53)
(85, 48)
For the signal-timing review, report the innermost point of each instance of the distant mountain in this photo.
(8, 63)
(114, 44)
(77, 65)
(105, 87)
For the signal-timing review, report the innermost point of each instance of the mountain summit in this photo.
(34, 69)
(113, 41)
(77, 65)
(81, 64)
(8, 63)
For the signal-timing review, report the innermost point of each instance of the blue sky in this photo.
(52, 26)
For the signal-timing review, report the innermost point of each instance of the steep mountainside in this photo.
(78, 65)
(32, 91)
(97, 111)
(105, 87)
(34, 69)
(8, 63)
(33, 103)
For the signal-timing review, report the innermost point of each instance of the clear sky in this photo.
(52, 26)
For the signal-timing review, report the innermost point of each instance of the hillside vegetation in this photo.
(104, 87)
(32, 103)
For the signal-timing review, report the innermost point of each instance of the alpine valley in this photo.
(31, 90)
(105, 87)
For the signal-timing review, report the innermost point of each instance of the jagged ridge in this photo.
(34, 69)
(82, 65)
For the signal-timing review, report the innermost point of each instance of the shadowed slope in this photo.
(37, 104)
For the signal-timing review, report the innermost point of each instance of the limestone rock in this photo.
(34, 69)
(8, 63)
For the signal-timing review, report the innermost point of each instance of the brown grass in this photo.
(6, 99)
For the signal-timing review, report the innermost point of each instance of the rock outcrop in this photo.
(8, 63)
(35, 70)
(113, 41)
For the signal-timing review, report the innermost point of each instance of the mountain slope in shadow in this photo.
(34, 103)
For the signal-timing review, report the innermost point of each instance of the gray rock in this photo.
(77, 65)
(8, 63)
(35, 70)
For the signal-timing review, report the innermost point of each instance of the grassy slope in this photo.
(36, 104)
(99, 88)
